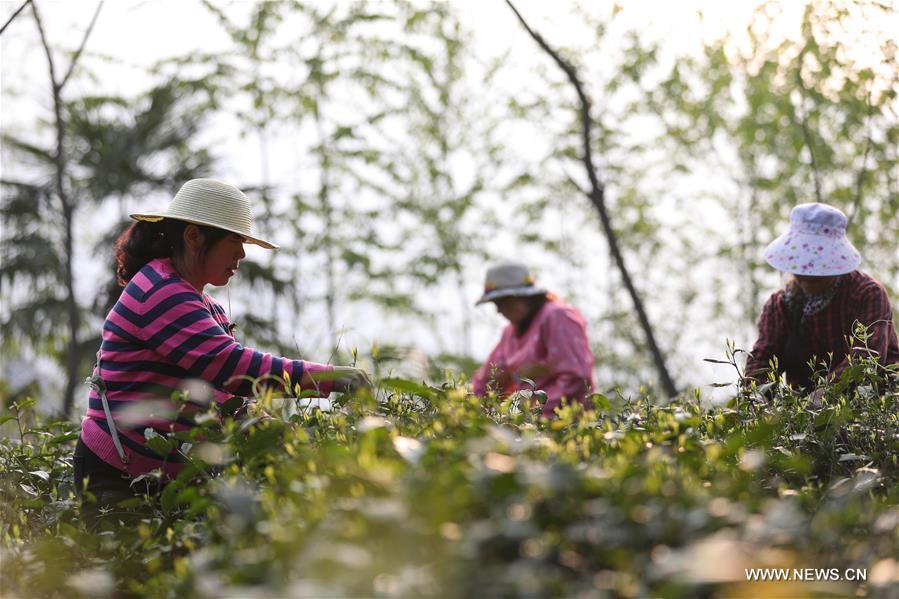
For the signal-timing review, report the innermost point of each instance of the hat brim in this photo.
(523, 291)
(812, 255)
(158, 216)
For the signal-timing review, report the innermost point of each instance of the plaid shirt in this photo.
(858, 298)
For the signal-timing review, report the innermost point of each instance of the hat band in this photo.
(818, 229)
(489, 288)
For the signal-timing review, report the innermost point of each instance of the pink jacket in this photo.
(553, 352)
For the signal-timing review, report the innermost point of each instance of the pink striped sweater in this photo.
(160, 333)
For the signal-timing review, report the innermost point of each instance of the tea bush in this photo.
(421, 490)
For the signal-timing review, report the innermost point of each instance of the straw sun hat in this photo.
(509, 279)
(816, 244)
(211, 203)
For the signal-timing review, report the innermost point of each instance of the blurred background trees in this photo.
(812, 117)
(392, 156)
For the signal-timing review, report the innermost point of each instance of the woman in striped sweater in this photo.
(164, 331)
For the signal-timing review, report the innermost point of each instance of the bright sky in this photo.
(140, 32)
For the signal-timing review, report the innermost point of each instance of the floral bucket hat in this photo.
(816, 244)
(509, 279)
(212, 203)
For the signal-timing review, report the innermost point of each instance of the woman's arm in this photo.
(772, 332)
(875, 313)
(569, 361)
(174, 321)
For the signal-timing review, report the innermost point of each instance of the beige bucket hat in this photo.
(214, 204)
(509, 279)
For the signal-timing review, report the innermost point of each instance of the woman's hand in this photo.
(348, 379)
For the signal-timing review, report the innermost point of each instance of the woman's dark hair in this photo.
(143, 241)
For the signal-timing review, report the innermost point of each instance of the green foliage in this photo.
(704, 153)
(346, 74)
(795, 111)
(417, 160)
(399, 162)
(425, 490)
(116, 147)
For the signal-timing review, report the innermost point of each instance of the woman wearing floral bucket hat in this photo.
(164, 333)
(812, 318)
(545, 341)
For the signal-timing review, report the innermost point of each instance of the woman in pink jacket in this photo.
(545, 342)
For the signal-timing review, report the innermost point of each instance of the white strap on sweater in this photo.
(96, 383)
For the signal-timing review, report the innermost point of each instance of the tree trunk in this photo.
(68, 213)
(327, 208)
(67, 207)
(596, 194)
(14, 15)
(73, 359)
